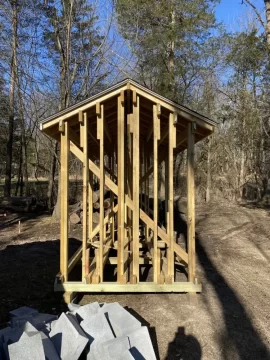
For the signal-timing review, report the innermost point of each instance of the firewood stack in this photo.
(76, 216)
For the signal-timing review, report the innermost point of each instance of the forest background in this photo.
(209, 55)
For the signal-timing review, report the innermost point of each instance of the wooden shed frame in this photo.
(134, 130)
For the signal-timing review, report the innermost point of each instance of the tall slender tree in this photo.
(170, 40)
(77, 51)
(13, 75)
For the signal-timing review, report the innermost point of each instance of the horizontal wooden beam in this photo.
(83, 108)
(183, 114)
(147, 287)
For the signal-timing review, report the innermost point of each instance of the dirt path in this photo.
(231, 317)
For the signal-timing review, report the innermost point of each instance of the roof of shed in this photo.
(204, 125)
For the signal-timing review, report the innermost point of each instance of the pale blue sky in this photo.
(229, 11)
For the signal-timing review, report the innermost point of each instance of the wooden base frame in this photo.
(122, 138)
(143, 287)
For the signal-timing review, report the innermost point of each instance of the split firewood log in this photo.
(96, 194)
(96, 205)
(96, 217)
(107, 204)
(74, 218)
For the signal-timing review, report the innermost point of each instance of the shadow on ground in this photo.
(185, 347)
(28, 272)
(241, 338)
(27, 277)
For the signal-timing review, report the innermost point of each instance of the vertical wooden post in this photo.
(170, 250)
(147, 183)
(156, 137)
(129, 170)
(81, 128)
(90, 209)
(64, 128)
(136, 190)
(167, 217)
(84, 133)
(145, 161)
(121, 188)
(100, 120)
(112, 198)
(191, 204)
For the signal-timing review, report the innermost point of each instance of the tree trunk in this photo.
(23, 146)
(171, 64)
(51, 178)
(208, 178)
(19, 173)
(57, 209)
(241, 177)
(13, 74)
(267, 10)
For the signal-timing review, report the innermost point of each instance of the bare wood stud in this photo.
(100, 119)
(84, 132)
(136, 188)
(90, 209)
(81, 128)
(121, 188)
(64, 202)
(170, 250)
(156, 133)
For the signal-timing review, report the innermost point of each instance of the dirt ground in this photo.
(229, 320)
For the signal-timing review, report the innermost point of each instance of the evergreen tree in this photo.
(170, 39)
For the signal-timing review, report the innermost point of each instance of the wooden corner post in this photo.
(64, 130)
(156, 137)
(121, 188)
(191, 203)
(136, 189)
(170, 224)
(84, 142)
(100, 126)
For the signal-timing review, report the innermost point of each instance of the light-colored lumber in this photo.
(112, 199)
(69, 296)
(64, 202)
(191, 204)
(146, 287)
(121, 189)
(81, 120)
(100, 120)
(84, 126)
(106, 219)
(129, 182)
(151, 168)
(177, 249)
(96, 277)
(146, 188)
(136, 190)
(74, 258)
(143, 216)
(84, 107)
(170, 229)
(94, 168)
(156, 136)
(181, 113)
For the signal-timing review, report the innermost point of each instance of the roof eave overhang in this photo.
(181, 110)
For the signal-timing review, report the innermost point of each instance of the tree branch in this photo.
(256, 12)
